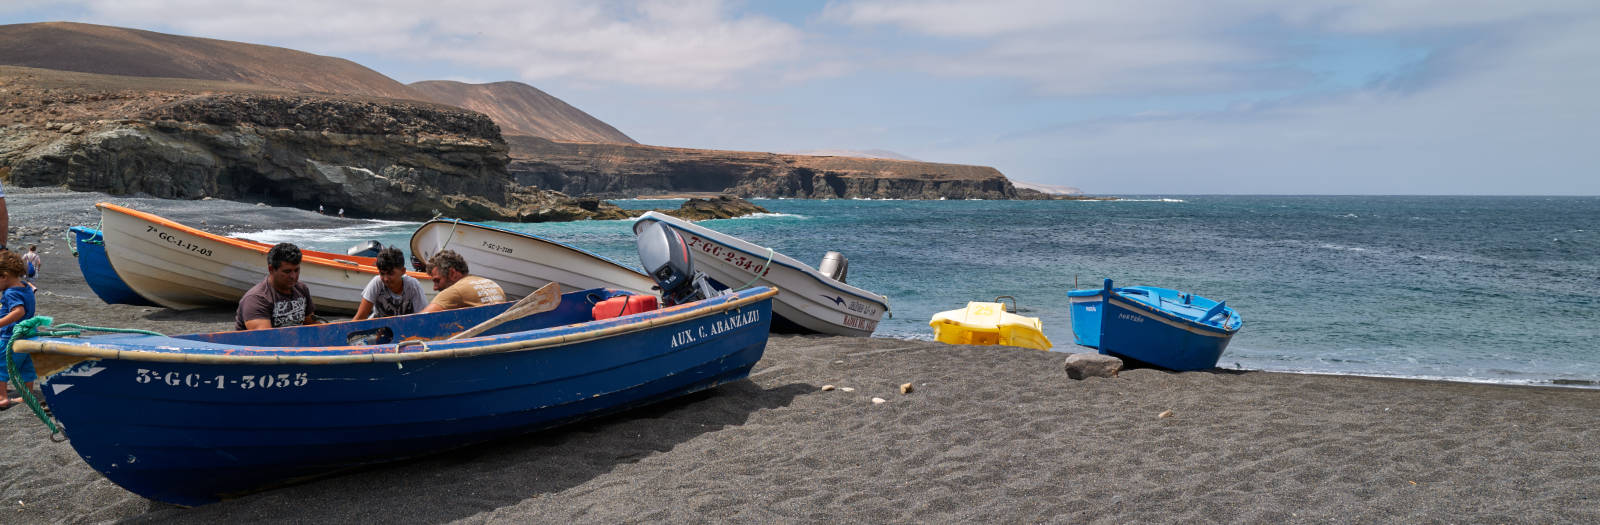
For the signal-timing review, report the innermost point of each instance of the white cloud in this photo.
(1163, 46)
(663, 43)
(1519, 122)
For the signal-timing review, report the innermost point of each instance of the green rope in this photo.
(56, 330)
(40, 325)
(764, 267)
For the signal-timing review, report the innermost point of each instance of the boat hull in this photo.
(520, 263)
(810, 302)
(98, 272)
(183, 268)
(1156, 326)
(204, 427)
(1085, 309)
(1138, 332)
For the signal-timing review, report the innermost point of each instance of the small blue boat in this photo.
(192, 419)
(1157, 326)
(90, 248)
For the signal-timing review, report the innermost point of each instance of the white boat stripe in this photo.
(1149, 313)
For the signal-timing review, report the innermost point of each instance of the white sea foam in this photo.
(770, 215)
(750, 216)
(1139, 200)
(360, 232)
(1428, 377)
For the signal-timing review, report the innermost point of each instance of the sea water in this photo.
(1493, 289)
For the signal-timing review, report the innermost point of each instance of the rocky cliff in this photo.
(191, 139)
(373, 157)
(620, 170)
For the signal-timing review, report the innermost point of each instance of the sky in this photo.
(1432, 97)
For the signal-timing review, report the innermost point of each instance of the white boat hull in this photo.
(183, 269)
(520, 263)
(808, 299)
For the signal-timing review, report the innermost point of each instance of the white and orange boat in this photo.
(522, 262)
(183, 268)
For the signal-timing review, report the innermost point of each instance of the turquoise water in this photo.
(1499, 289)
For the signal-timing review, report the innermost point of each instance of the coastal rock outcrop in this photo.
(719, 207)
(624, 170)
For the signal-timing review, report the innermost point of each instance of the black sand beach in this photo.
(989, 434)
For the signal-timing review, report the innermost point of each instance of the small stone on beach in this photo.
(905, 388)
(848, 389)
(827, 388)
(879, 401)
(1084, 365)
(1164, 415)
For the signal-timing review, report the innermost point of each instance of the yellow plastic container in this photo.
(988, 324)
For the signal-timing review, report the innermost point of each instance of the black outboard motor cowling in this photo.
(366, 249)
(665, 257)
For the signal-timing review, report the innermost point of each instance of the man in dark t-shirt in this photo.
(279, 300)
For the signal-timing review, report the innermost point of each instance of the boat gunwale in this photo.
(31, 346)
(882, 300)
(1174, 321)
(568, 247)
(323, 259)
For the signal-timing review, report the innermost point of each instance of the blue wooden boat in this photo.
(195, 418)
(90, 248)
(1157, 326)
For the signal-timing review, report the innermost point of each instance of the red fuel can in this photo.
(624, 305)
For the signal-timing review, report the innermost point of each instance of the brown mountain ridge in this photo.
(518, 108)
(88, 48)
(521, 109)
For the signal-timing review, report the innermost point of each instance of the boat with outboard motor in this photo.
(184, 268)
(90, 250)
(195, 418)
(1158, 326)
(812, 301)
(521, 262)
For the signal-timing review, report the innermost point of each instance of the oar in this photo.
(545, 299)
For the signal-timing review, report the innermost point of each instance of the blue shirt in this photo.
(14, 297)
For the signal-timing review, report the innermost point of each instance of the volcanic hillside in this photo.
(67, 46)
(109, 50)
(521, 109)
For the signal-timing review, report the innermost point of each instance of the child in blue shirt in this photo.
(17, 304)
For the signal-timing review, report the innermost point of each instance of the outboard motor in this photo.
(665, 257)
(366, 249)
(835, 266)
